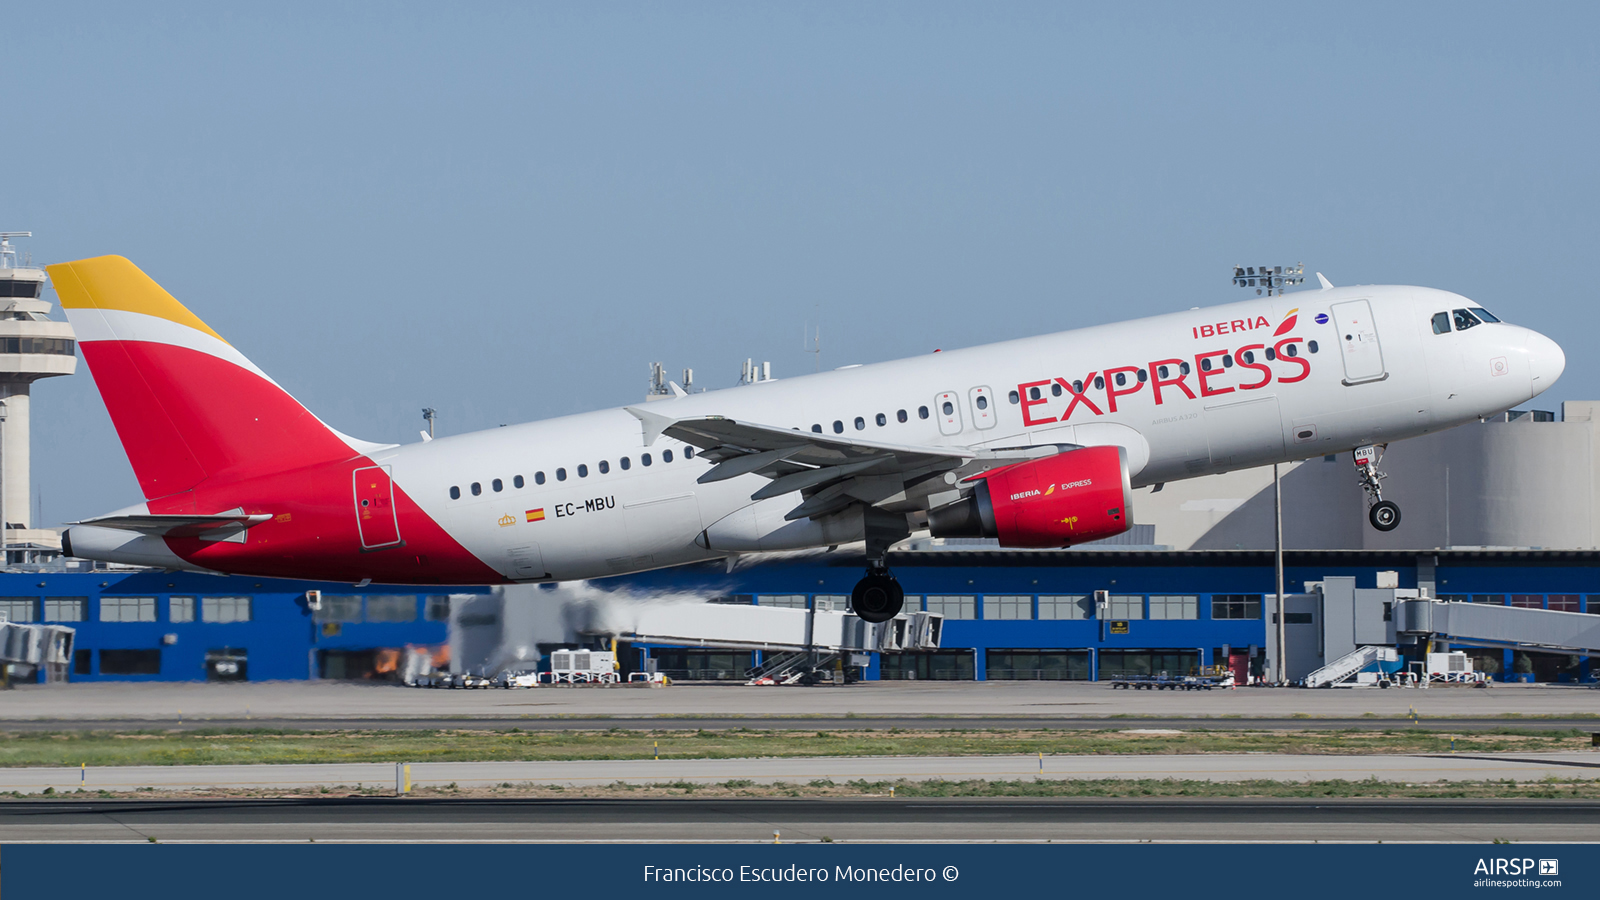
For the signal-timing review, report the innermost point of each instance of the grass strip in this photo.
(235, 747)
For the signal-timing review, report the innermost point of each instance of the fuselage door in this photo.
(1358, 342)
(946, 410)
(982, 400)
(375, 512)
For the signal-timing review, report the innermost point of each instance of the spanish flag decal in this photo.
(536, 515)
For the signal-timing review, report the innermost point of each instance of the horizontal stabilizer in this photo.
(179, 526)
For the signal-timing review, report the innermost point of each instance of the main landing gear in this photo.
(878, 597)
(1383, 514)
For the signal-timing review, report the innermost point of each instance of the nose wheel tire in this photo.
(1384, 515)
(877, 597)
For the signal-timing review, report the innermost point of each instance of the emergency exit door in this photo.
(375, 512)
(1358, 342)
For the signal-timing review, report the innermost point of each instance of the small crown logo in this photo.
(507, 520)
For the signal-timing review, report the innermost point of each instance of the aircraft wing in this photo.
(831, 471)
(178, 526)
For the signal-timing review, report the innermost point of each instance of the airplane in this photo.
(1036, 442)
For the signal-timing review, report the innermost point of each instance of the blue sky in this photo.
(508, 211)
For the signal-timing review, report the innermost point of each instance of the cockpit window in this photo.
(1465, 319)
(1441, 323)
(1484, 314)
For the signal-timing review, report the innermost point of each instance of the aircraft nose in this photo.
(1546, 361)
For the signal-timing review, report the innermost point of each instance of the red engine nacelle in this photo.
(1073, 497)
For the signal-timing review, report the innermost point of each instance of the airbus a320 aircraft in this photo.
(1038, 442)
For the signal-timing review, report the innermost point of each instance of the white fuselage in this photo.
(1394, 379)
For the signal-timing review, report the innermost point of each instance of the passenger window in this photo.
(1310, 345)
(1205, 364)
(538, 478)
(1142, 376)
(817, 428)
(644, 459)
(455, 492)
(688, 453)
(1015, 399)
(1055, 390)
(1099, 383)
(983, 402)
(1122, 379)
(666, 456)
(861, 423)
(626, 465)
(1291, 350)
(583, 470)
(882, 420)
(901, 415)
(1441, 323)
(838, 427)
(498, 485)
(948, 408)
(1077, 387)
(1183, 367)
(1161, 371)
(517, 481)
(1270, 354)
(561, 474)
(476, 489)
(922, 412)
(1484, 314)
(1465, 320)
(1249, 356)
(1033, 393)
(605, 467)
(1227, 360)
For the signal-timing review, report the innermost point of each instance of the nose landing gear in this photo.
(1383, 514)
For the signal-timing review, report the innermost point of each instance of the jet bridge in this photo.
(1509, 627)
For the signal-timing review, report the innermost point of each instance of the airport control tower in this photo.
(31, 347)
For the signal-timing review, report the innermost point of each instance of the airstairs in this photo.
(1347, 666)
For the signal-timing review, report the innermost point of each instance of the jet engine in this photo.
(1072, 497)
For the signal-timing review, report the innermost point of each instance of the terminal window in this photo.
(1036, 665)
(180, 609)
(1592, 605)
(66, 609)
(1007, 607)
(782, 601)
(221, 610)
(437, 608)
(127, 609)
(1491, 599)
(19, 609)
(830, 602)
(340, 608)
(1235, 606)
(1528, 601)
(1174, 606)
(1066, 606)
(1126, 606)
(1564, 602)
(130, 662)
(391, 607)
(953, 606)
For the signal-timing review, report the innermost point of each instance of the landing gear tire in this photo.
(1384, 515)
(877, 597)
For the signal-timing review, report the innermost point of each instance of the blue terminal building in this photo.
(1008, 615)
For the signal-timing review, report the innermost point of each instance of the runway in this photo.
(799, 821)
(804, 723)
(1005, 704)
(803, 770)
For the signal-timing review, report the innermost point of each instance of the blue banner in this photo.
(245, 872)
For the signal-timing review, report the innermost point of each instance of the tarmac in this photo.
(797, 821)
(309, 702)
(1523, 767)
